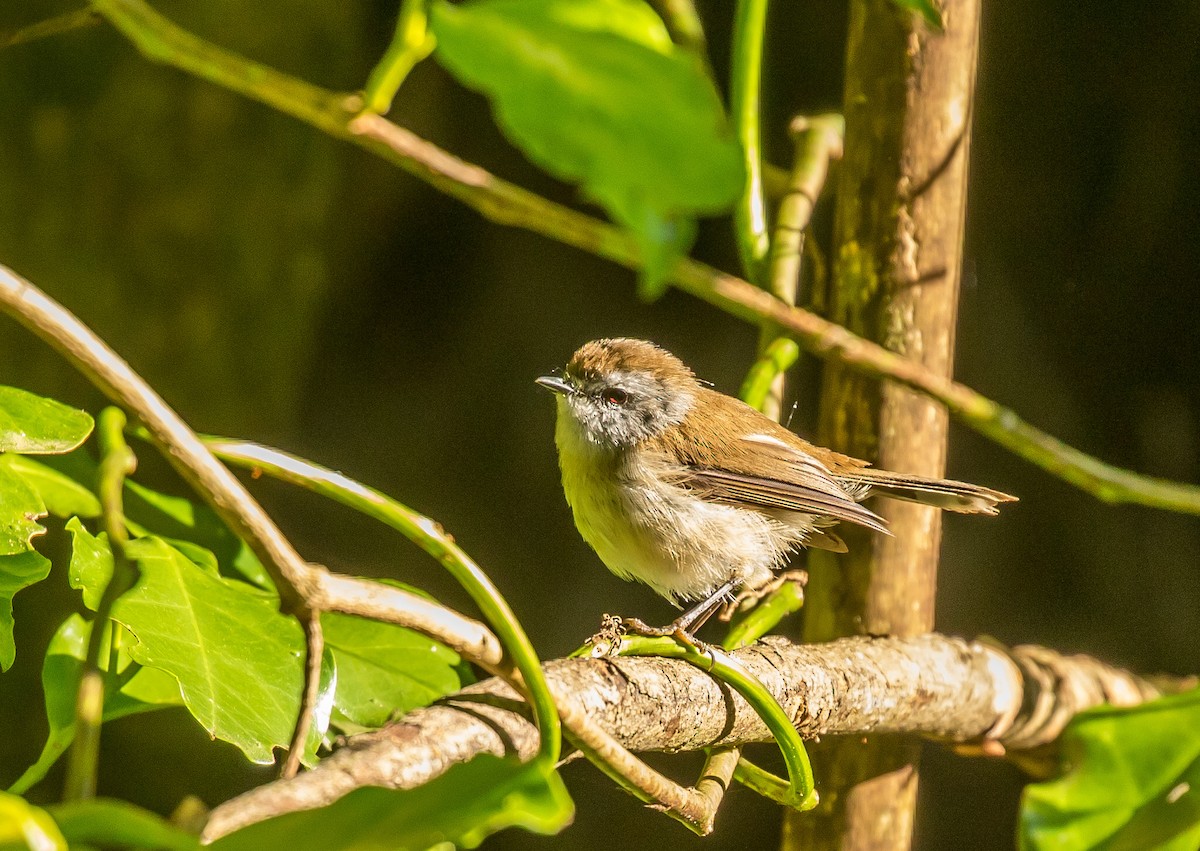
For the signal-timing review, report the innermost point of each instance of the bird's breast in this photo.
(644, 527)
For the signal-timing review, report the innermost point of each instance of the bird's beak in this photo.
(555, 385)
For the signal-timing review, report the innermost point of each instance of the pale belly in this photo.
(680, 545)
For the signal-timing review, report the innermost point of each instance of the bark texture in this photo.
(898, 235)
(947, 688)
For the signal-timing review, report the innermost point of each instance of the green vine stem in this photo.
(78, 19)
(116, 462)
(754, 624)
(411, 43)
(683, 22)
(507, 204)
(799, 792)
(433, 539)
(776, 359)
(817, 142)
(750, 215)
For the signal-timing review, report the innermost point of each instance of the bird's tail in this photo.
(940, 493)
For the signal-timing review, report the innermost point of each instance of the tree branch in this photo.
(304, 589)
(945, 688)
(507, 204)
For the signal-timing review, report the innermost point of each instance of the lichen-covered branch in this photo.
(931, 685)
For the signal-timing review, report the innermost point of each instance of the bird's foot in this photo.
(677, 629)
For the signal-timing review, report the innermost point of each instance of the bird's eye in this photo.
(614, 395)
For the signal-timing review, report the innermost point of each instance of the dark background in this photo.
(281, 286)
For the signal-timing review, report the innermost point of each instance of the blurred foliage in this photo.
(1132, 781)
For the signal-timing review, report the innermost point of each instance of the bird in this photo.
(697, 494)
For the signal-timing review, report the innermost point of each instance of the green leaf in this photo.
(91, 563)
(1133, 781)
(237, 659)
(594, 92)
(20, 508)
(24, 826)
(385, 670)
(107, 823)
(136, 689)
(926, 9)
(16, 572)
(63, 496)
(187, 524)
(464, 806)
(35, 425)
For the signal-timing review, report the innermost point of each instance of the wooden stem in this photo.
(898, 255)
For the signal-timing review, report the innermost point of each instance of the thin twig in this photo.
(116, 462)
(507, 204)
(466, 636)
(314, 649)
(818, 141)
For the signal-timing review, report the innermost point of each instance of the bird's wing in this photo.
(767, 469)
(801, 492)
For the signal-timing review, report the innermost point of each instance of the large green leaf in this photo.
(106, 823)
(1132, 781)
(16, 572)
(24, 827)
(385, 670)
(20, 508)
(35, 425)
(464, 806)
(63, 496)
(594, 92)
(237, 659)
(138, 690)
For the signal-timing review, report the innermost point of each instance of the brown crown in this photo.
(624, 354)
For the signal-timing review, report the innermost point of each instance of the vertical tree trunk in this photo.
(898, 254)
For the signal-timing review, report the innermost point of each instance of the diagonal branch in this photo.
(507, 204)
(304, 589)
(941, 687)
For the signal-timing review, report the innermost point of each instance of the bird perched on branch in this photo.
(696, 493)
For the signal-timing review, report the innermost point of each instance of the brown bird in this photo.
(696, 493)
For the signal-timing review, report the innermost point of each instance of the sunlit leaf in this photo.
(139, 690)
(62, 495)
(385, 670)
(237, 659)
(20, 508)
(24, 826)
(594, 92)
(16, 572)
(184, 522)
(464, 806)
(35, 425)
(1132, 781)
(106, 823)
(91, 564)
